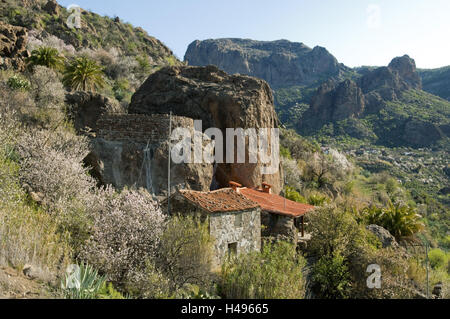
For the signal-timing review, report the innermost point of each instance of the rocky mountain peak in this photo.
(406, 68)
(281, 63)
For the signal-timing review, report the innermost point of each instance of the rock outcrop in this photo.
(385, 237)
(221, 101)
(281, 63)
(52, 7)
(335, 102)
(406, 68)
(13, 51)
(87, 108)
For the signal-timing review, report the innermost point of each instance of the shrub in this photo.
(28, 235)
(293, 195)
(273, 273)
(149, 283)
(126, 232)
(16, 82)
(107, 291)
(292, 173)
(331, 277)
(317, 199)
(34, 42)
(47, 89)
(51, 165)
(438, 258)
(185, 253)
(333, 231)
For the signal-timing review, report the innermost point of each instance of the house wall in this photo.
(223, 229)
(278, 225)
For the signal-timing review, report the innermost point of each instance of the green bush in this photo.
(273, 273)
(107, 291)
(17, 82)
(331, 277)
(293, 195)
(317, 199)
(186, 253)
(438, 258)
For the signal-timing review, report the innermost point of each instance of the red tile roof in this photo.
(222, 200)
(276, 204)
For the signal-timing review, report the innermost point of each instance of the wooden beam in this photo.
(303, 226)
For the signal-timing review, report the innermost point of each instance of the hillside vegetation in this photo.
(56, 219)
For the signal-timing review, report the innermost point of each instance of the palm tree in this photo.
(46, 56)
(84, 74)
(402, 220)
(399, 219)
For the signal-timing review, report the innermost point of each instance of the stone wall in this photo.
(278, 225)
(139, 128)
(247, 236)
(223, 229)
(117, 154)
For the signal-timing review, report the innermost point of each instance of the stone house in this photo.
(279, 216)
(234, 220)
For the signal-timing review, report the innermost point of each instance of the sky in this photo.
(356, 32)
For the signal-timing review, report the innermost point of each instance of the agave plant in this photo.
(84, 74)
(82, 282)
(46, 56)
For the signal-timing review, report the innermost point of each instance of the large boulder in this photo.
(385, 237)
(221, 101)
(13, 50)
(52, 7)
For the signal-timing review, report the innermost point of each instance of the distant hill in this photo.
(436, 81)
(386, 106)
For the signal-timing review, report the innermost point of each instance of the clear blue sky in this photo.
(357, 32)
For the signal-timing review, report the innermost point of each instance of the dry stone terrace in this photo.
(139, 128)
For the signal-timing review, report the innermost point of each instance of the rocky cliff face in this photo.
(376, 90)
(13, 51)
(221, 101)
(281, 63)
